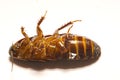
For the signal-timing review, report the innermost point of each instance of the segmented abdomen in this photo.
(81, 48)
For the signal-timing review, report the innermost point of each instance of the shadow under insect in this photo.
(62, 64)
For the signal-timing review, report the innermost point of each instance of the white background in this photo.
(100, 22)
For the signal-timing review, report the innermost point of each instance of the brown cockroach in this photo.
(64, 46)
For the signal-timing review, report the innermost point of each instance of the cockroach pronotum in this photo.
(55, 47)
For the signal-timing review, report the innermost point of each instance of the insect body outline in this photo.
(54, 47)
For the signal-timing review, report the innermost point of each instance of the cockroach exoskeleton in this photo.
(55, 47)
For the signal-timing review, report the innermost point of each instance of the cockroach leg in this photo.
(69, 30)
(65, 25)
(39, 31)
(24, 34)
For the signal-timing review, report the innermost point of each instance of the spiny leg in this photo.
(69, 30)
(24, 34)
(67, 24)
(26, 41)
(39, 31)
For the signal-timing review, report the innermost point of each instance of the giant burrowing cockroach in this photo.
(55, 47)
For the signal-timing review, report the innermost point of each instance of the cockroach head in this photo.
(13, 51)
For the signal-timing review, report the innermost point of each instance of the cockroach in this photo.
(65, 46)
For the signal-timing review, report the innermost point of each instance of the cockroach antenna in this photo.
(12, 62)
